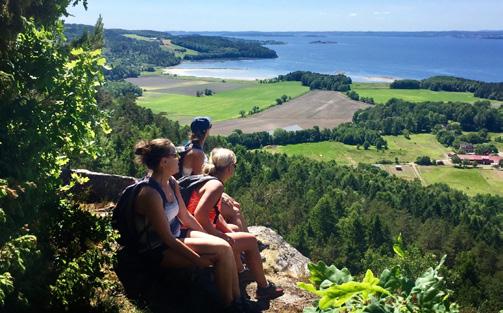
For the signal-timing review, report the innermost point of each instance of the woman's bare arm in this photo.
(149, 203)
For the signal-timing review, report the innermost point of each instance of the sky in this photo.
(293, 15)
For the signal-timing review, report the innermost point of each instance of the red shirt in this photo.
(194, 201)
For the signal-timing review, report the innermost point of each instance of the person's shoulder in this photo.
(173, 182)
(214, 185)
(148, 194)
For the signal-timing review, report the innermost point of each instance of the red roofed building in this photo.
(480, 159)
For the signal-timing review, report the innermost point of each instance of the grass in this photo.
(221, 106)
(138, 37)
(470, 180)
(400, 147)
(169, 46)
(498, 145)
(381, 94)
(158, 71)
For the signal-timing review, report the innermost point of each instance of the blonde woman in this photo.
(159, 210)
(202, 202)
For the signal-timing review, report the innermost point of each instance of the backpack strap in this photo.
(191, 183)
(154, 184)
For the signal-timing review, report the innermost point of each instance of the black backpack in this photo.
(182, 152)
(190, 183)
(123, 212)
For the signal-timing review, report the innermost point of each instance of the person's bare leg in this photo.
(248, 243)
(236, 292)
(220, 254)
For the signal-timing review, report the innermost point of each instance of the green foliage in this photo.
(423, 160)
(49, 115)
(85, 249)
(393, 291)
(214, 47)
(346, 133)
(405, 84)
(397, 115)
(348, 216)
(453, 84)
(339, 82)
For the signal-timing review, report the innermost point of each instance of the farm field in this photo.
(399, 147)
(221, 106)
(325, 109)
(158, 85)
(470, 180)
(381, 94)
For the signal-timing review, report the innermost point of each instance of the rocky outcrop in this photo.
(100, 187)
(285, 266)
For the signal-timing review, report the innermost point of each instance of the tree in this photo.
(279, 101)
(242, 113)
(48, 114)
(366, 145)
(423, 160)
(456, 160)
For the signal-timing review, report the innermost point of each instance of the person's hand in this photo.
(229, 239)
(203, 262)
(227, 201)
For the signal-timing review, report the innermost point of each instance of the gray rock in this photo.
(101, 187)
(280, 257)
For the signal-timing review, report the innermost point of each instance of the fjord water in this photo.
(366, 57)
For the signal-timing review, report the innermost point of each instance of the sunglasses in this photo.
(174, 155)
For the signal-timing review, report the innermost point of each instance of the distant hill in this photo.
(129, 52)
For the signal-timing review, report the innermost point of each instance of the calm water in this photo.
(367, 58)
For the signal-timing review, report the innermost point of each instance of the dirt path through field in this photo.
(325, 109)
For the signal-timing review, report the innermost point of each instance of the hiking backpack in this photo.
(188, 184)
(123, 213)
(182, 152)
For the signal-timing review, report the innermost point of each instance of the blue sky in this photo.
(294, 15)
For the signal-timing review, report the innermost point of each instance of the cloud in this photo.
(382, 13)
(353, 14)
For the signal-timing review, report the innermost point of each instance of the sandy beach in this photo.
(253, 74)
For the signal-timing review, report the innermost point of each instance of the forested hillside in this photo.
(129, 52)
(480, 89)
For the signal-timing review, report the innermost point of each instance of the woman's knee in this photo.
(221, 246)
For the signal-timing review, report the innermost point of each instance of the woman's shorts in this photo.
(153, 257)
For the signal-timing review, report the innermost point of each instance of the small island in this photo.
(272, 42)
(323, 42)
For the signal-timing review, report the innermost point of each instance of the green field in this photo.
(405, 150)
(470, 180)
(498, 145)
(382, 93)
(223, 105)
(138, 37)
(169, 46)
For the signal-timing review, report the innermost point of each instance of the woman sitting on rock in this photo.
(193, 162)
(202, 204)
(158, 213)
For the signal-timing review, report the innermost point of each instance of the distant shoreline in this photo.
(251, 75)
